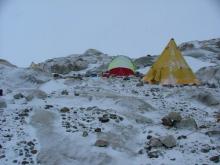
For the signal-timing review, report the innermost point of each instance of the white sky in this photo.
(35, 30)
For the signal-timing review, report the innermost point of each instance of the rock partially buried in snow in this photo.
(101, 143)
(207, 98)
(3, 103)
(36, 94)
(143, 120)
(169, 141)
(188, 123)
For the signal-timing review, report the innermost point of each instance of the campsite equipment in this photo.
(121, 66)
(170, 68)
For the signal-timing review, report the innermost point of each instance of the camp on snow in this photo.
(170, 68)
(121, 66)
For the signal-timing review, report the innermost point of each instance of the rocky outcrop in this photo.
(75, 62)
(144, 61)
(210, 75)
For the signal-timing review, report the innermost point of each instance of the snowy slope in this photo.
(65, 118)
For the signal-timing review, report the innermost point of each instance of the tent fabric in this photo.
(121, 66)
(170, 68)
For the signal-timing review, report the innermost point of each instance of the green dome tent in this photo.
(121, 66)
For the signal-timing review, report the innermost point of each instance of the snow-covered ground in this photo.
(105, 121)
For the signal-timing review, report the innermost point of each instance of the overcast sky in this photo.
(35, 30)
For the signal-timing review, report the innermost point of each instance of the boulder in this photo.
(167, 121)
(207, 98)
(175, 116)
(209, 75)
(155, 142)
(188, 123)
(168, 141)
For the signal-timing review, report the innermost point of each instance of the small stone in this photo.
(181, 137)
(215, 159)
(24, 162)
(2, 156)
(30, 143)
(167, 121)
(113, 116)
(18, 96)
(64, 92)
(85, 133)
(103, 119)
(76, 94)
(149, 137)
(15, 161)
(33, 151)
(153, 154)
(141, 151)
(64, 110)
(169, 141)
(175, 116)
(140, 84)
(48, 106)
(101, 143)
(206, 149)
(98, 130)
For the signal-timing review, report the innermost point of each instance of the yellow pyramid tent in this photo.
(170, 68)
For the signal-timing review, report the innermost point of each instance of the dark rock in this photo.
(167, 121)
(64, 110)
(2, 156)
(101, 143)
(181, 137)
(113, 116)
(18, 96)
(76, 94)
(30, 143)
(48, 106)
(149, 137)
(103, 119)
(215, 159)
(64, 92)
(33, 151)
(98, 130)
(24, 162)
